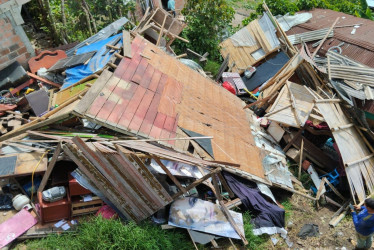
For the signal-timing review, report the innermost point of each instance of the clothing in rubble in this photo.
(267, 216)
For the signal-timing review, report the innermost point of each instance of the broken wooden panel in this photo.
(129, 184)
(152, 94)
(24, 164)
(283, 111)
(358, 160)
(250, 44)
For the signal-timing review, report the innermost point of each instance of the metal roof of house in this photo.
(358, 46)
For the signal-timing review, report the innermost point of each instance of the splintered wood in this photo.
(241, 57)
(283, 110)
(357, 158)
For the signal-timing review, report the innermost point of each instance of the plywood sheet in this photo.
(304, 105)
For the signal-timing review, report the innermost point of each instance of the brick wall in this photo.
(14, 44)
(11, 46)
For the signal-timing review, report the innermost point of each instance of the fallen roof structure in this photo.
(152, 94)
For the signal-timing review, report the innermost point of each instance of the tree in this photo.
(206, 22)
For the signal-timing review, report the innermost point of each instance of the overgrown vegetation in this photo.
(99, 233)
(69, 21)
(254, 241)
(358, 8)
(207, 21)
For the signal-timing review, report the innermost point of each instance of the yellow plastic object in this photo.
(250, 93)
(29, 90)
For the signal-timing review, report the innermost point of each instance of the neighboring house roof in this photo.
(152, 95)
(358, 46)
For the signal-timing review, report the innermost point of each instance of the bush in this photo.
(358, 8)
(207, 21)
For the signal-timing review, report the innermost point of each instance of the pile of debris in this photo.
(121, 126)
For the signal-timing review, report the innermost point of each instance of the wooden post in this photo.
(301, 157)
(323, 40)
(176, 182)
(161, 31)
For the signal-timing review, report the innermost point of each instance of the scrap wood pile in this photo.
(312, 105)
(133, 132)
(128, 134)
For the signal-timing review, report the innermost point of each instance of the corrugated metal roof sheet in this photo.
(359, 47)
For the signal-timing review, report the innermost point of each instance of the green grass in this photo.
(288, 208)
(99, 233)
(254, 241)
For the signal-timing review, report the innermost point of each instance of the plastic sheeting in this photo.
(101, 35)
(287, 22)
(97, 62)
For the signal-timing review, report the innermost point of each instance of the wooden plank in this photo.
(100, 182)
(197, 182)
(43, 80)
(147, 77)
(301, 158)
(150, 117)
(161, 31)
(166, 170)
(228, 216)
(157, 126)
(153, 85)
(50, 167)
(323, 40)
(139, 73)
(126, 39)
(131, 108)
(127, 91)
(141, 112)
(104, 95)
(93, 92)
(334, 189)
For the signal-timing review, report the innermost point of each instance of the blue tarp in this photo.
(97, 62)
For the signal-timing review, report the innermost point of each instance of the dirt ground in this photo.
(304, 212)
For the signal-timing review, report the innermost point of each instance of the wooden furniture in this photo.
(80, 207)
(55, 211)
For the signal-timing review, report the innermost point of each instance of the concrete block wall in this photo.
(14, 43)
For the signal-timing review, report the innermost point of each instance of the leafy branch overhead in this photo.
(357, 8)
(207, 21)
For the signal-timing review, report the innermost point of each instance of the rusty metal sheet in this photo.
(359, 46)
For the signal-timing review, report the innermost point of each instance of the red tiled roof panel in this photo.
(152, 94)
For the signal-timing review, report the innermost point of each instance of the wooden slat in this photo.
(126, 39)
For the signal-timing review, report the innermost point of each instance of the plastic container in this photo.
(19, 201)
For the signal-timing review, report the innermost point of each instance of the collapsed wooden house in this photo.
(291, 104)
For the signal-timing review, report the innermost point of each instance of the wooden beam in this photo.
(323, 40)
(197, 182)
(126, 43)
(50, 167)
(285, 149)
(226, 212)
(161, 31)
(44, 80)
(334, 189)
(176, 182)
(301, 158)
(225, 185)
